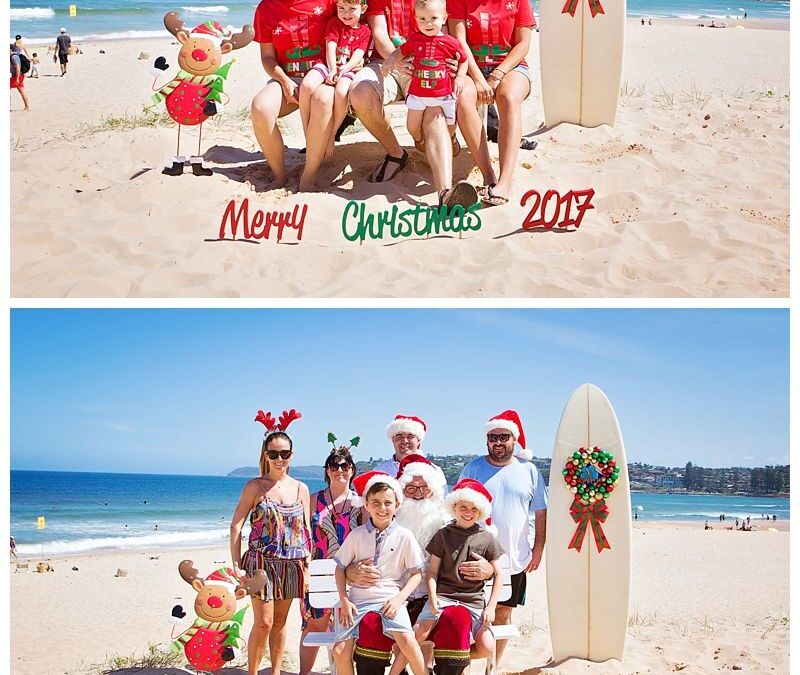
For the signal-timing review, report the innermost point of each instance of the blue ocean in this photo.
(39, 20)
(86, 512)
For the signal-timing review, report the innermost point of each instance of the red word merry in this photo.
(551, 204)
(261, 224)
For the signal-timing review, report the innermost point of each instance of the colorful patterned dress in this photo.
(279, 545)
(329, 527)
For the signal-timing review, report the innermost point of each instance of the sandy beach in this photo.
(701, 602)
(691, 188)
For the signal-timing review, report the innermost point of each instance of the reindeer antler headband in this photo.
(283, 422)
(353, 442)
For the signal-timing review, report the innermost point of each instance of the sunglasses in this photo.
(335, 466)
(498, 438)
(283, 454)
(415, 489)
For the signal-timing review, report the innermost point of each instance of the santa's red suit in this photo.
(451, 636)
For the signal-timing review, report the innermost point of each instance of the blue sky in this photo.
(176, 391)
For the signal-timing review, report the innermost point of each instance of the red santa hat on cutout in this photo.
(469, 490)
(413, 466)
(509, 420)
(224, 577)
(363, 482)
(211, 30)
(407, 424)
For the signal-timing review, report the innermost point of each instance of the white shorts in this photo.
(446, 103)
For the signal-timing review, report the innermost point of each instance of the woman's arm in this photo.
(518, 52)
(240, 514)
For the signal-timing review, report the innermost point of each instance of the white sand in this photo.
(701, 602)
(692, 189)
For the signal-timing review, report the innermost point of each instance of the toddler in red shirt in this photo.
(431, 83)
(346, 42)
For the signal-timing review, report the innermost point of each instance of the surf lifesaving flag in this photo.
(40, 522)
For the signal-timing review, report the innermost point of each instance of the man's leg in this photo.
(267, 106)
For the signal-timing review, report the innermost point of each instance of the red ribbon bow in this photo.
(585, 514)
(594, 6)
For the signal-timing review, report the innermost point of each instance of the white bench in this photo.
(322, 594)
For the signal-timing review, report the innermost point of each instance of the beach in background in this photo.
(701, 602)
(691, 187)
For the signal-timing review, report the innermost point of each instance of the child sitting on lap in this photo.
(394, 552)
(431, 83)
(346, 42)
(470, 504)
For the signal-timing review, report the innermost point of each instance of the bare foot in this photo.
(307, 185)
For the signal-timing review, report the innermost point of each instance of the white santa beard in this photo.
(424, 517)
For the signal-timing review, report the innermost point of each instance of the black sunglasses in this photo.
(339, 466)
(494, 438)
(283, 454)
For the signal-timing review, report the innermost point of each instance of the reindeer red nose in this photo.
(214, 602)
(199, 55)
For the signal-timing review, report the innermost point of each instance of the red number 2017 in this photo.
(582, 199)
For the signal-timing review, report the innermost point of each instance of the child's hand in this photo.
(458, 85)
(333, 77)
(434, 603)
(488, 614)
(392, 606)
(346, 612)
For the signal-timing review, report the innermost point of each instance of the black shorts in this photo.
(62, 58)
(414, 608)
(519, 584)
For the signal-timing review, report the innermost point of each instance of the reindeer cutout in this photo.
(195, 93)
(209, 642)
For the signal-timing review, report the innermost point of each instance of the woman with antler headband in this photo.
(278, 506)
(333, 516)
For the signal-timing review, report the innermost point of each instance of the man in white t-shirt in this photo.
(518, 491)
(406, 432)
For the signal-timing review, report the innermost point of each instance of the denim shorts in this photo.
(400, 624)
(521, 69)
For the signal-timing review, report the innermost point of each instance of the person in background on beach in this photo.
(649, 22)
(518, 491)
(774, 518)
(346, 43)
(399, 560)
(21, 45)
(498, 73)
(707, 526)
(13, 547)
(643, 21)
(278, 506)
(333, 517)
(291, 35)
(17, 76)
(433, 86)
(62, 50)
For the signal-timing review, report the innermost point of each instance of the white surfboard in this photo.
(588, 591)
(581, 45)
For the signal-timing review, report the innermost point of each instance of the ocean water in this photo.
(40, 20)
(87, 512)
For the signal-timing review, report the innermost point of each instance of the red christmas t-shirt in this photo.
(297, 30)
(400, 19)
(347, 38)
(491, 25)
(431, 75)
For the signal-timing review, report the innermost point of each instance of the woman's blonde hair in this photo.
(263, 461)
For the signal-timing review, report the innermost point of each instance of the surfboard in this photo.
(581, 45)
(588, 584)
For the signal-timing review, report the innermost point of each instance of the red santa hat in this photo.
(211, 30)
(474, 492)
(509, 420)
(412, 466)
(407, 424)
(223, 576)
(363, 482)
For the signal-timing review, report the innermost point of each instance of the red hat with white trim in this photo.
(413, 466)
(474, 492)
(223, 576)
(407, 424)
(363, 482)
(509, 420)
(211, 30)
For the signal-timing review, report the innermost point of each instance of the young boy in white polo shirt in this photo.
(395, 553)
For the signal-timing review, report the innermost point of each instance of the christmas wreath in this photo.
(591, 475)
